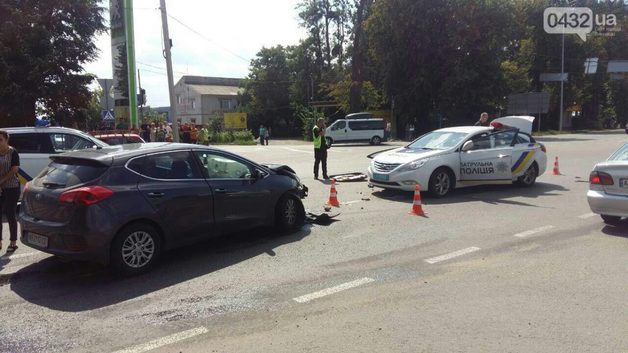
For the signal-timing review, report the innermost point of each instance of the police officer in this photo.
(483, 120)
(320, 147)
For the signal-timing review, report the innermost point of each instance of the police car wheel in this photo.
(441, 182)
(529, 177)
(612, 220)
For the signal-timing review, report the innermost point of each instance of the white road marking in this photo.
(587, 215)
(160, 342)
(295, 150)
(350, 202)
(533, 231)
(19, 256)
(451, 255)
(332, 290)
(352, 236)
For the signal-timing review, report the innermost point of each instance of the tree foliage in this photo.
(43, 45)
(431, 62)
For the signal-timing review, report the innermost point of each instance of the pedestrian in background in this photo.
(262, 134)
(203, 136)
(9, 188)
(267, 135)
(320, 148)
(153, 133)
(483, 120)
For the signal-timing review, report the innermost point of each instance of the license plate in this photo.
(382, 177)
(38, 240)
(623, 183)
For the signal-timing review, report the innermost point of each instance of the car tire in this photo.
(612, 220)
(328, 141)
(135, 249)
(289, 213)
(529, 177)
(442, 181)
(376, 140)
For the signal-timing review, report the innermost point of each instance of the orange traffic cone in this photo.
(417, 209)
(556, 171)
(333, 196)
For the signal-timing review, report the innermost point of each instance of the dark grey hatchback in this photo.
(126, 205)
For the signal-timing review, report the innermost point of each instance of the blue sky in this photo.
(229, 34)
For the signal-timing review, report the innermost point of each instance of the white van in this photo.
(351, 129)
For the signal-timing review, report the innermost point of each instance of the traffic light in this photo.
(141, 98)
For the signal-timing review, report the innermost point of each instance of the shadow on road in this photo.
(78, 286)
(558, 139)
(492, 194)
(618, 230)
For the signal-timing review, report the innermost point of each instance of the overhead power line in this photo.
(208, 40)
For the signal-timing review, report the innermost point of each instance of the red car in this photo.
(120, 138)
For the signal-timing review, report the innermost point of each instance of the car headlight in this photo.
(414, 165)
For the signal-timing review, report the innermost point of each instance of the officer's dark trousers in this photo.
(320, 156)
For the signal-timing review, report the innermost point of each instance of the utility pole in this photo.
(139, 84)
(130, 54)
(167, 55)
(562, 85)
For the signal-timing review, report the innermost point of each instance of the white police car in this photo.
(36, 144)
(460, 156)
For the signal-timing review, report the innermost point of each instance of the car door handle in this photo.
(220, 191)
(503, 155)
(155, 194)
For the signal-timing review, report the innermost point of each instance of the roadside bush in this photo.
(243, 137)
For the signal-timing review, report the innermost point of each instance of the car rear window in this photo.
(63, 173)
(621, 154)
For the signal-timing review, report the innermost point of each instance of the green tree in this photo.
(43, 45)
(267, 88)
(441, 58)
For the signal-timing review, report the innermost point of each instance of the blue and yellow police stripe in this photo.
(523, 162)
(23, 177)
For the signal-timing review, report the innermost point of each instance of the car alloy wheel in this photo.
(135, 249)
(290, 213)
(138, 249)
(328, 141)
(440, 183)
(376, 140)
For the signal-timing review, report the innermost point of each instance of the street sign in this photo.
(235, 120)
(107, 115)
(551, 77)
(528, 103)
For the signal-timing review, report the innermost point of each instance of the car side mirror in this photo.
(468, 146)
(257, 174)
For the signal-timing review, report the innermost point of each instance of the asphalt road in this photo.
(489, 269)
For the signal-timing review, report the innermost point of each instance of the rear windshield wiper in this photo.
(53, 185)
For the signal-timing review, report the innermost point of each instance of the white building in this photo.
(200, 99)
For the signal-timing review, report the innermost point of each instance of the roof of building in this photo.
(211, 81)
(216, 86)
(215, 90)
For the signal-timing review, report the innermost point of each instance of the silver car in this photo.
(608, 187)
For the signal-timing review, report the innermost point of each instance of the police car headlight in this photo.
(414, 165)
